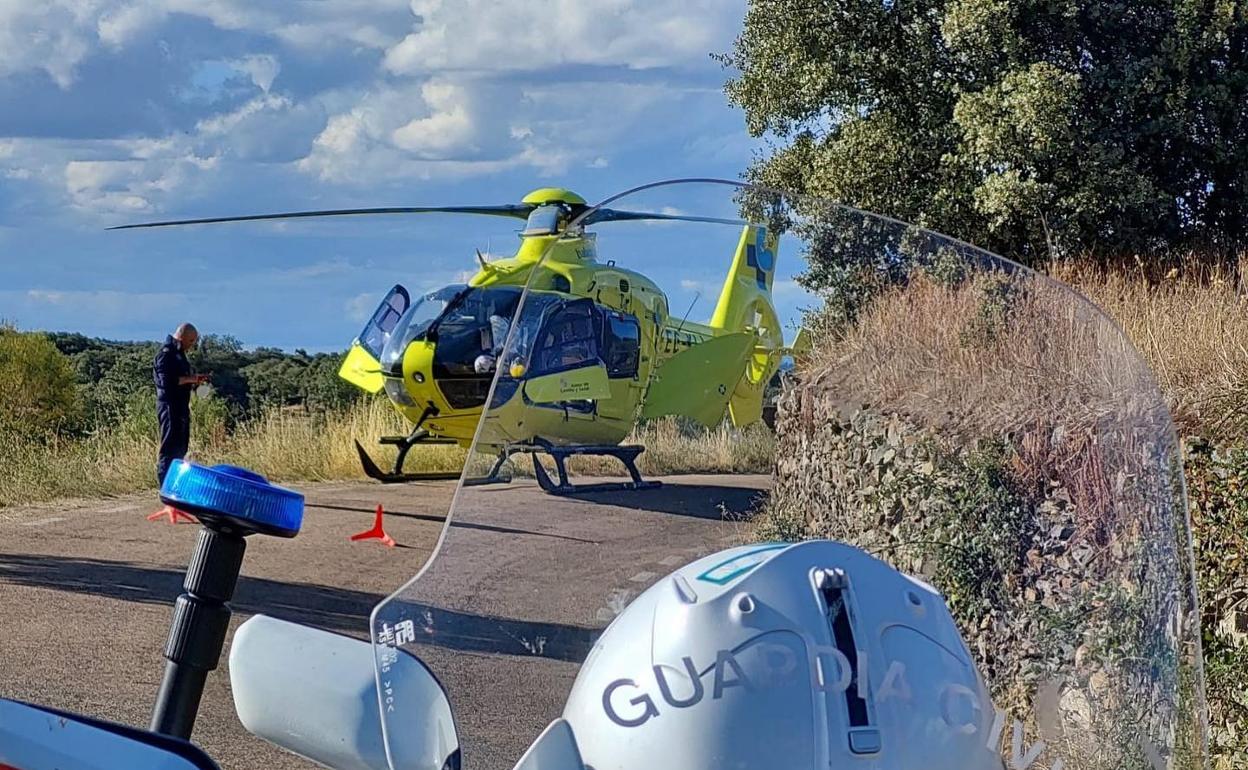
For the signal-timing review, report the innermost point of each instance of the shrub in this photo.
(1218, 485)
(37, 393)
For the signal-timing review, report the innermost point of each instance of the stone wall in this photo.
(1022, 570)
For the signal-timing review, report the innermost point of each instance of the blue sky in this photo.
(130, 110)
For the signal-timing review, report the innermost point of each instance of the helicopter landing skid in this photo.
(625, 454)
(404, 443)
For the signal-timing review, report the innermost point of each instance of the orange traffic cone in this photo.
(174, 515)
(377, 532)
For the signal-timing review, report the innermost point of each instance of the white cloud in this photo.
(448, 129)
(489, 35)
(118, 26)
(130, 184)
(473, 126)
(261, 68)
(52, 36)
(149, 174)
(459, 129)
(56, 36)
(269, 128)
(691, 285)
(472, 118)
(359, 307)
(109, 303)
(227, 122)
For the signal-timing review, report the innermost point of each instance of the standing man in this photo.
(174, 383)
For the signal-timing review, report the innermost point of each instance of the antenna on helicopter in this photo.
(696, 296)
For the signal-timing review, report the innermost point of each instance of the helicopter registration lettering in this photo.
(675, 340)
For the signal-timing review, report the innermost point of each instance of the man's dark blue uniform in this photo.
(173, 404)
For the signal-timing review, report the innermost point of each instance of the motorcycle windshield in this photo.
(942, 527)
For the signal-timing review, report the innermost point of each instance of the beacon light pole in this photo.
(231, 503)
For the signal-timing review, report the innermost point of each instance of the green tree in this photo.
(223, 357)
(323, 388)
(301, 379)
(38, 396)
(111, 395)
(1036, 128)
(275, 382)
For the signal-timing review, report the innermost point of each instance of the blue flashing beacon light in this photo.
(226, 496)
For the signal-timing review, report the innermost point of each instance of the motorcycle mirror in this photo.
(41, 737)
(314, 693)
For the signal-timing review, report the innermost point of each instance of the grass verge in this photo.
(291, 446)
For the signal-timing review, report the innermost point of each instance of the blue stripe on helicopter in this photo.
(761, 258)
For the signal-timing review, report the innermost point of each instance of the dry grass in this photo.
(1015, 361)
(1192, 329)
(285, 446)
(993, 355)
(104, 465)
(1010, 357)
(292, 446)
(673, 446)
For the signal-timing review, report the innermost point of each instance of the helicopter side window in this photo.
(622, 345)
(569, 341)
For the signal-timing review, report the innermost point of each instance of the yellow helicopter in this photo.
(594, 349)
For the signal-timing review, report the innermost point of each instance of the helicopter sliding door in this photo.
(585, 364)
(621, 354)
(362, 365)
(566, 371)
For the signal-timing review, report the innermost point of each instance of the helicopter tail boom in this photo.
(747, 288)
(745, 305)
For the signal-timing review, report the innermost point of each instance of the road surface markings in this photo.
(41, 522)
(122, 508)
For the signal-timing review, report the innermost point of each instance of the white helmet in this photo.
(484, 363)
(758, 657)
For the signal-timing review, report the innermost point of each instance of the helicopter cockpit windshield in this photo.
(466, 323)
(415, 323)
(468, 327)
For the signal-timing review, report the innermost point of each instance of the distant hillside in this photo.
(111, 374)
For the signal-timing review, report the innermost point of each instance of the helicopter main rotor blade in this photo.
(517, 211)
(616, 215)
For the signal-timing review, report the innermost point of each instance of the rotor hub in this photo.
(550, 195)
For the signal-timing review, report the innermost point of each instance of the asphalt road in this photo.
(523, 584)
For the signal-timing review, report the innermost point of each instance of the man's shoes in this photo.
(174, 515)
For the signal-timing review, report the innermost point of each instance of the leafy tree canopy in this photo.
(37, 393)
(109, 381)
(1035, 128)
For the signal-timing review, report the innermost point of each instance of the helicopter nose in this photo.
(397, 391)
(407, 376)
